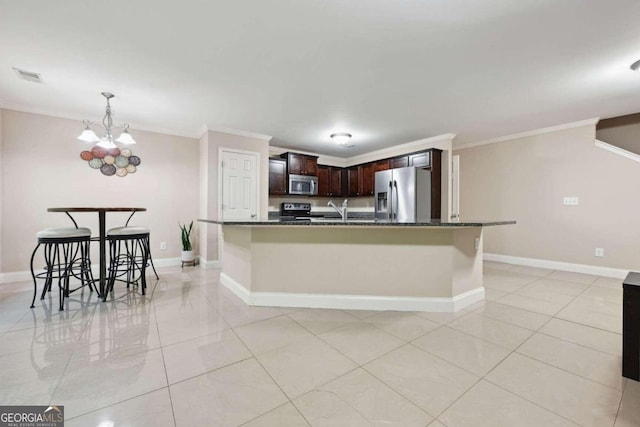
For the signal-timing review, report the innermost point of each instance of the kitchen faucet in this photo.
(342, 211)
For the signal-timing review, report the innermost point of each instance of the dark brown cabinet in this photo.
(337, 182)
(331, 181)
(361, 180)
(420, 160)
(367, 179)
(381, 165)
(277, 177)
(301, 164)
(399, 162)
(355, 181)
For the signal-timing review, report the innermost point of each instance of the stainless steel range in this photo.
(295, 211)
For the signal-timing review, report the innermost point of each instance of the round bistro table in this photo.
(102, 213)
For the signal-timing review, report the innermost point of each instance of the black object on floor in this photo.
(631, 326)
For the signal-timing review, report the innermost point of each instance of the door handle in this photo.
(395, 205)
(253, 215)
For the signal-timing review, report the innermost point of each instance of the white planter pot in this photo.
(187, 256)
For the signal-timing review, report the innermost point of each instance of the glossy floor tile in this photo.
(358, 398)
(543, 349)
(487, 405)
(463, 350)
(426, 380)
(582, 401)
(304, 365)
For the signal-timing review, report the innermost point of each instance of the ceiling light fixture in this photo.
(88, 135)
(636, 65)
(341, 138)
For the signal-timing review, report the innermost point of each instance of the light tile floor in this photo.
(544, 349)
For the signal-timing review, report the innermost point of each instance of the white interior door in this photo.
(455, 187)
(239, 186)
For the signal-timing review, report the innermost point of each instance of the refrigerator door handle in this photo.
(397, 201)
(390, 207)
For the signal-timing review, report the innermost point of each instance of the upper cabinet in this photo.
(420, 160)
(301, 164)
(331, 181)
(277, 177)
(399, 162)
(361, 180)
(367, 179)
(355, 181)
(382, 165)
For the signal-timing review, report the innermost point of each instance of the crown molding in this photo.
(541, 131)
(322, 158)
(617, 150)
(202, 130)
(396, 150)
(132, 126)
(400, 149)
(238, 132)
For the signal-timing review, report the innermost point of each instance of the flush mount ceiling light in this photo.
(88, 135)
(635, 66)
(341, 138)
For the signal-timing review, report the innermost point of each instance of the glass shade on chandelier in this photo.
(107, 141)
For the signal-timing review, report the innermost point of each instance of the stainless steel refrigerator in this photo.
(403, 195)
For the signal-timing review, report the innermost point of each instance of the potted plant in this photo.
(187, 251)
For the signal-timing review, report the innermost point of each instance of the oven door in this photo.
(305, 185)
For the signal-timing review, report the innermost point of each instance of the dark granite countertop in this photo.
(357, 222)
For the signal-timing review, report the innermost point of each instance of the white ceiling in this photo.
(387, 71)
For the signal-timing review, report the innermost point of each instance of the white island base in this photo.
(395, 267)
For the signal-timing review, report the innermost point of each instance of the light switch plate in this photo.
(571, 201)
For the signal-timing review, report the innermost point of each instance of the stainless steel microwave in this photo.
(302, 184)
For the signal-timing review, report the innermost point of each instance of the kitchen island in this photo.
(357, 264)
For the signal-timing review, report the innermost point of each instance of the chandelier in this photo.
(107, 141)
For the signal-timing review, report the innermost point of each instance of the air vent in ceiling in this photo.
(28, 75)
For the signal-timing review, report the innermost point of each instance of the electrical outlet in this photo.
(599, 252)
(570, 201)
(163, 246)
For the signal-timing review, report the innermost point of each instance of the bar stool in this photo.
(129, 254)
(66, 254)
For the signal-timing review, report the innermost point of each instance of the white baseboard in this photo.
(162, 262)
(351, 302)
(15, 276)
(21, 276)
(209, 265)
(617, 273)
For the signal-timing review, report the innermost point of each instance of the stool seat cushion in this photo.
(127, 231)
(61, 233)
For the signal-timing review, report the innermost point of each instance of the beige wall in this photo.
(1, 197)
(210, 146)
(622, 132)
(41, 168)
(526, 180)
